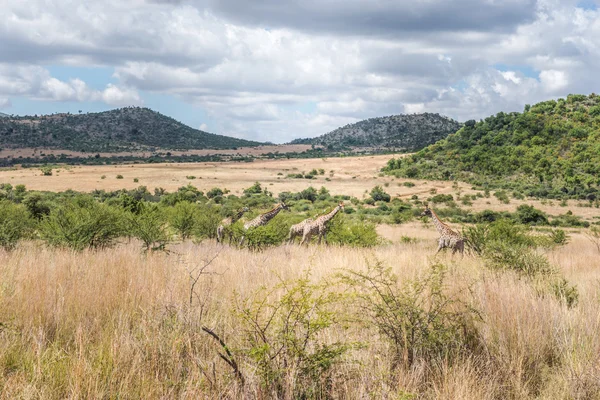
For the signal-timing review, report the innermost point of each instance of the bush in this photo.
(36, 205)
(378, 194)
(502, 196)
(419, 319)
(207, 222)
(254, 189)
(15, 224)
(183, 218)
(119, 176)
(352, 233)
(530, 215)
(286, 338)
(442, 198)
(82, 224)
(46, 170)
(150, 226)
(214, 192)
(259, 238)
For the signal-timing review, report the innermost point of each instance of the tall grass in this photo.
(115, 323)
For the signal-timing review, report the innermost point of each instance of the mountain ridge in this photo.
(410, 132)
(121, 129)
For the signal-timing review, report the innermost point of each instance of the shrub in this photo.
(254, 189)
(150, 226)
(530, 215)
(46, 170)
(207, 222)
(419, 319)
(378, 194)
(15, 224)
(119, 176)
(352, 233)
(442, 198)
(502, 196)
(408, 184)
(214, 192)
(82, 224)
(286, 338)
(36, 205)
(259, 238)
(183, 218)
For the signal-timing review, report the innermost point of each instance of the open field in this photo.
(295, 321)
(117, 323)
(353, 176)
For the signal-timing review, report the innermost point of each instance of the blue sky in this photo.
(282, 69)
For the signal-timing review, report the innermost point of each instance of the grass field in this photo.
(121, 323)
(118, 323)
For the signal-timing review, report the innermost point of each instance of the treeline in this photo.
(100, 219)
(550, 150)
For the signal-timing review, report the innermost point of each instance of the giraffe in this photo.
(263, 219)
(227, 222)
(319, 225)
(448, 238)
(298, 229)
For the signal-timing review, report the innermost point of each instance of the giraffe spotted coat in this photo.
(319, 225)
(298, 229)
(448, 238)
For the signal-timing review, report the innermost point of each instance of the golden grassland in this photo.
(118, 323)
(354, 176)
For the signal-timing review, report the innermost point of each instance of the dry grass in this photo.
(118, 323)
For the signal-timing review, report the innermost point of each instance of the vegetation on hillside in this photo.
(408, 132)
(551, 149)
(123, 129)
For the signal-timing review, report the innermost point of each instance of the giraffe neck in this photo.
(439, 225)
(327, 217)
(237, 216)
(269, 215)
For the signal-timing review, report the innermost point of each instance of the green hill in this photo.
(123, 129)
(409, 132)
(551, 149)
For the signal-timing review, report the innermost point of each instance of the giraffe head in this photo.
(283, 206)
(426, 212)
(244, 210)
(341, 205)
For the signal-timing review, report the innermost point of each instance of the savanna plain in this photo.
(516, 317)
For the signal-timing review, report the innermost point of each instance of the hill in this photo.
(551, 149)
(2, 115)
(123, 129)
(409, 132)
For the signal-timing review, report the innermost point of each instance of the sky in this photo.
(275, 70)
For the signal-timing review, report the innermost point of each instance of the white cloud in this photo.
(553, 80)
(277, 70)
(36, 83)
(116, 96)
(5, 102)
(203, 127)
